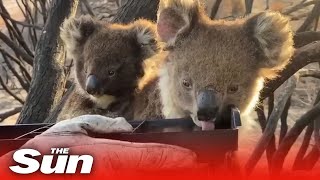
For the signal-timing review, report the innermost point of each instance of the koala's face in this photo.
(109, 57)
(214, 65)
(223, 70)
(115, 58)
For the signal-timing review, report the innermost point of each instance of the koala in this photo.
(108, 63)
(212, 65)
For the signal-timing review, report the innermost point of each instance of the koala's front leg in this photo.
(76, 105)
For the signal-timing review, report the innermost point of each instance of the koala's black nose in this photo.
(207, 105)
(92, 84)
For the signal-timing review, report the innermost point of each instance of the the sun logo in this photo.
(65, 163)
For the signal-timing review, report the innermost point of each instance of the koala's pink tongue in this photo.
(207, 125)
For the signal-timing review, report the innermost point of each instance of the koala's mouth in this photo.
(206, 125)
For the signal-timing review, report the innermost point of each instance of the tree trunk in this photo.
(135, 9)
(249, 4)
(215, 9)
(48, 79)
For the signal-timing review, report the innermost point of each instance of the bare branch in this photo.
(16, 31)
(261, 116)
(309, 73)
(291, 137)
(21, 9)
(43, 9)
(263, 122)
(270, 104)
(267, 4)
(31, 20)
(303, 38)
(17, 61)
(299, 16)
(11, 112)
(249, 4)
(284, 117)
(215, 8)
(14, 72)
(9, 91)
(311, 18)
(311, 159)
(88, 7)
(298, 162)
(21, 23)
(298, 7)
(316, 23)
(316, 132)
(136, 9)
(26, 57)
(5, 72)
(302, 57)
(271, 125)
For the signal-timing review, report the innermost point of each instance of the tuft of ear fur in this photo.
(75, 31)
(175, 17)
(146, 35)
(274, 35)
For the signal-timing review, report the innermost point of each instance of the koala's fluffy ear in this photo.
(175, 18)
(75, 31)
(272, 33)
(146, 35)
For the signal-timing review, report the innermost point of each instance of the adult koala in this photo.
(211, 65)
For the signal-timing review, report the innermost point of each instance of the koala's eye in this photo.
(233, 89)
(111, 73)
(186, 84)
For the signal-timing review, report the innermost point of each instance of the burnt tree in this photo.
(249, 4)
(134, 9)
(48, 79)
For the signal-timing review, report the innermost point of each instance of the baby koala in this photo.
(109, 62)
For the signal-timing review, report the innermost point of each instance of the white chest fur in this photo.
(103, 101)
